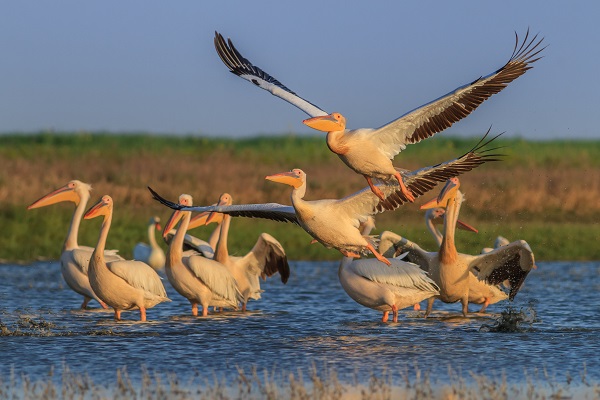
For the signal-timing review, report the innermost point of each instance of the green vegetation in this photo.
(544, 192)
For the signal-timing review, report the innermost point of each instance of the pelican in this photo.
(369, 152)
(75, 259)
(334, 223)
(266, 258)
(433, 216)
(152, 254)
(384, 289)
(199, 279)
(499, 242)
(452, 270)
(196, 246)
(123, 284)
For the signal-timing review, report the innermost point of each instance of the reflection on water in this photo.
(309, 321)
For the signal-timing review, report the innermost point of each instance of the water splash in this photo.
(512, 319)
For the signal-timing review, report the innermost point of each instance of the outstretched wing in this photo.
(272, 211)
(511, 262)
(434, 117)
(422, 180)
(267, 258)
(243, 68)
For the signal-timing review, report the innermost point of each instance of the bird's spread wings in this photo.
(215, 276)
(441, 113)
(243, 68)
(392, 245)
(511, 262)
(422, 180)
(139, 275)
(399, 274)
(269, 258)
(273, 211)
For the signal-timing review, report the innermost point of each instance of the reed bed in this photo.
(316, 384)
(540, 188)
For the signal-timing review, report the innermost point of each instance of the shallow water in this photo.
(310, 321)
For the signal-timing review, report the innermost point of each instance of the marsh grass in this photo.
(317, 384)
(543, 192)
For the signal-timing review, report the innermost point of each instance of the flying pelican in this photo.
(369, 152)
(381, 288)
(266, 258)
(75, 259)
(199, 279)
(452, 270)
(123, 284)
(334, 223)
(152, 254)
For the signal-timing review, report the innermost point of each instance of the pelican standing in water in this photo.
(382, 288)
(199, 279)
(266, 258)
(123, 284)
(334, 223)
(452, 270)
(369, 152)
(152, 254)
(196, 246)
(75, 259)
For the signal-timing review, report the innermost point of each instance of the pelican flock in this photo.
(385, 273)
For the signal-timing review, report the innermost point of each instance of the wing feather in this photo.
(441, 113)
(399, 274)
(139, 275)
(243, 68)
(215, 276)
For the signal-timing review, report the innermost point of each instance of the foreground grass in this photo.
(544, 192)
(318, 385)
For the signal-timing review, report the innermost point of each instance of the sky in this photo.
(149, 65)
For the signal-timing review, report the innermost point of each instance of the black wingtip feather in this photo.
(163, 201)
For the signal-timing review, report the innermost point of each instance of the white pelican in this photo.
(199, 279)
(434, 216)
(152, 254)
(196, 246)
(499, 242)
(123, 284)
(266, 258)
(334, 223)
(452, 270)
(75, 259)
(382, 288)
(369, 151)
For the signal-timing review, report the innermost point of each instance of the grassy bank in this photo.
(544, 192)
(317, 385)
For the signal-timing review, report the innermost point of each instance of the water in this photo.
(310, 321)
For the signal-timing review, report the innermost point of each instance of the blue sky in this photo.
(138, 65)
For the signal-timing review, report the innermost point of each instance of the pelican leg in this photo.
(314, 241)
(465, 306)
(205, 310)
(395, 312)
(485, 304)
(117, 315)
(377, 255)
(103, 304)
(429, 306)
(142, 314)
(417, 307)
(86, 300)
(405, 191)
(244, 307)
(385, 316)
(374, 188)
(350, 254)
(195, 309)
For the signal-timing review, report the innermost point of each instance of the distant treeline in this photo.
(545, 192)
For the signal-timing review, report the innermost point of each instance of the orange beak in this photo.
(157, 226)
(466, 227)
(288, 178)
(64, 193)
(326, 123)
(96, 210)
(447, 192)
(215, 216)
(175, 217)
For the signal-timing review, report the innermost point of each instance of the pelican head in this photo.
(72, 191)
(294, 178)
(449, 190)
(435, 214)
(184, 200)
(327, 123)
(156, 222)
(224, 200)
(102, 207)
